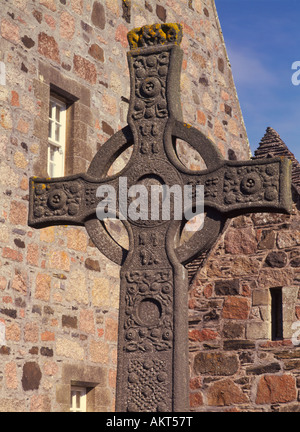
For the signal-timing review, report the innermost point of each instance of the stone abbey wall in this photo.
(58, 294)
(239, 361)
(235, 364)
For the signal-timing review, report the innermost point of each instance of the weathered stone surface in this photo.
(161, 13)
(275, 277)
(290, 354)
(233, 330)
(12, 313)
(258, 330)
(276, 259)
(224, 393)
(48, 47)
(240, 241)
(202, 335)
(12, 405)
(92, 264)
(237, 266)
(236, 308)
(20, 283)
(12, 254)
(196, 400)
(262, 219)
(291, 365)
(18, 213)
(13, 333)
(70, 349)
(40, 403)
(290, 408)
(77, 239)
(267, 240)
(85, 69)
(99, 352)
(67, 26)
(227, 287)
(69, 321)
(11, 378)
(49, 4)
(87, 321)
(31, 376)
(276, 389)
(43, 287)
(97, 52)
(98, 15)
(59, 260)
(28, 42)
(31, 332)
(46, 352)
(10, 31)
(239, 345)
(286, 239)
(121, 35)
(295, 262)
(261, 297)
(216, 364)
(77, 288)
(263, 369)
(126, 6)
(107, 128)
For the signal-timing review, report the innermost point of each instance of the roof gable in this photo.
(272, 145)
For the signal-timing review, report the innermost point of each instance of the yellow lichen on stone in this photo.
(133, 37)
(155, 34)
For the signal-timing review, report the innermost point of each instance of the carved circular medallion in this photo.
(150, 87)
(57, 199)
(149, 312)
(251, 183)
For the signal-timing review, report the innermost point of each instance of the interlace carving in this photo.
(148, 307)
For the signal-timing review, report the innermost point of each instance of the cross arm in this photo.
(70, 200)
(238, 187)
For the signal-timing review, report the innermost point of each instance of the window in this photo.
(75, 392)
(70, 110)
(276, 313)
(56, 137)
(78, 399)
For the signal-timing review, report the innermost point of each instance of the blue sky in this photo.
(263, 41)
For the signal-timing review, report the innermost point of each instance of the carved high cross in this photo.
(153, 372)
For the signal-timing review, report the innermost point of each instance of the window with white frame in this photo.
(78, 399)
(57, 137)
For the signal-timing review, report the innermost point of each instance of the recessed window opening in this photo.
(57, 137)
(78, 399)
(276, 313)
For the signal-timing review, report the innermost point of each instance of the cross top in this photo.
(153, 345)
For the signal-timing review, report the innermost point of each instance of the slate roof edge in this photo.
(272, 145)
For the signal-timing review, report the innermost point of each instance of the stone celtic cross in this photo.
(153, 371)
